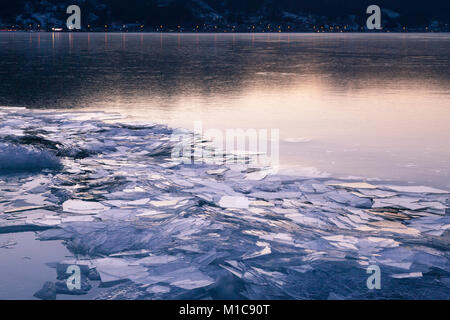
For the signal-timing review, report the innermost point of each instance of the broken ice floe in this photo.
(148, 226)
(21, 158)
(83, 207)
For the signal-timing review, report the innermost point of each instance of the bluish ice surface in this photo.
(153, 227)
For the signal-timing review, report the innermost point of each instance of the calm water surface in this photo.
(366, 105)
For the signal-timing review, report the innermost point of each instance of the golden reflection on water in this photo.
(358, 104)
(397, 131)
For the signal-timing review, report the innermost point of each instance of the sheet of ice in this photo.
(407, 275)
(83, 207)
(114, 269)
(18, 158)
(416, 189)
(234, 202)
(158, 289)
(354, 185)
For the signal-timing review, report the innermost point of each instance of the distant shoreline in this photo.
(230, 33)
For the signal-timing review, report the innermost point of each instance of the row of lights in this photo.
(331, 28)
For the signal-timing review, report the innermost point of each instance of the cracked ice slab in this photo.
(83, 207)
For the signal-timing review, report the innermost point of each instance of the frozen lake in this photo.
(361, 105)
